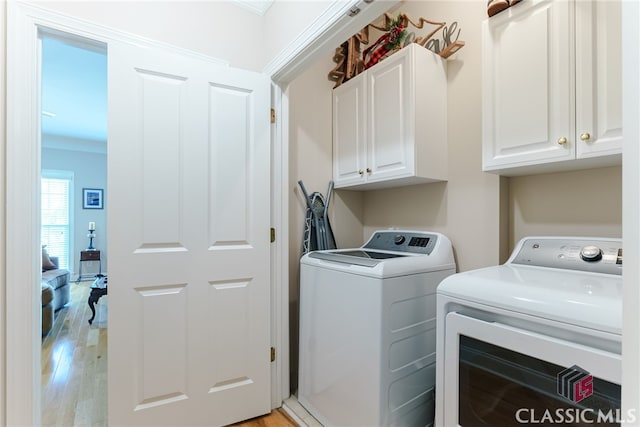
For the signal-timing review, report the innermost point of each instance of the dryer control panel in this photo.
(402, 241)
(596, 255)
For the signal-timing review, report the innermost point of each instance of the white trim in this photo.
(23, 375)
(3, 229)
(323, 35)
(277, 306)
(280, 265)
(287, 406)
(631, 205)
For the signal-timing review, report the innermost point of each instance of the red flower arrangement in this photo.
(388, 42)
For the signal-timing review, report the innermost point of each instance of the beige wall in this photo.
(579, 203)
(467, 207)
(483, 214)
(310, 160)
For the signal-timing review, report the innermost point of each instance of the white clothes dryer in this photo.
(536, 340)
(368, 329)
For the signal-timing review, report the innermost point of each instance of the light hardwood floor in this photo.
(74, 368)
(74, 364)
(277, 418)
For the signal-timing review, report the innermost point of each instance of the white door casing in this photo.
(188, 178)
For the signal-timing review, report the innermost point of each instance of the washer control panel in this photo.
(403, 241)
(598, 255)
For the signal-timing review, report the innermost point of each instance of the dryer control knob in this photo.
(591, 253)
(399, 239)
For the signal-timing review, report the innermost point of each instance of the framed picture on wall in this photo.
(92, 198)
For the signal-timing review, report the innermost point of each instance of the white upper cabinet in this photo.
(390, 124)
(552, 87)
(349, 133)
(598, 78)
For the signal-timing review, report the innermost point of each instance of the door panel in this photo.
(189, 158)
(598, 78)
(349, 133)
(160, 100)
(528, 92)
(390, 136)
(229, 173)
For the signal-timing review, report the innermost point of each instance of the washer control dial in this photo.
(591, 253)
(399, 239)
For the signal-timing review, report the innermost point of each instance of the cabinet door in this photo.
(349, 132)
(390, 153)
(527, 85)
(598, 78)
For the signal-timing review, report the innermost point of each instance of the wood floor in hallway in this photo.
(74, 368)
(277, 418)
(74, 364)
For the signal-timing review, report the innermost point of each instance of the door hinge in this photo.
(273, 115)
(273, 235)
(273, 354)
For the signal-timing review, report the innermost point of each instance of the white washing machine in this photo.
(368, 329)
(536, 340)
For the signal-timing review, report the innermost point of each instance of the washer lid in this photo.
(355, 256)
(413, 252)
(590, 300)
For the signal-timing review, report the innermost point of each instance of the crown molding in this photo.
(259, 7)
(324, 34)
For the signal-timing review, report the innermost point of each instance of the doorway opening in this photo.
(73, 229)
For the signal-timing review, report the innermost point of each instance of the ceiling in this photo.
(74, 90)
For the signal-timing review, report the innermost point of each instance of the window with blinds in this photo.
(56, 193)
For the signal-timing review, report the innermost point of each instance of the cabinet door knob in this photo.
(368, 170)
(585, 136)
(562, 141)
(361, 172)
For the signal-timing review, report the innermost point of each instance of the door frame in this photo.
(631, 205)
(22, 366)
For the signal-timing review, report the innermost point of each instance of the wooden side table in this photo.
(92, 255)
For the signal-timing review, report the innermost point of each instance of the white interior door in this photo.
(188, 210)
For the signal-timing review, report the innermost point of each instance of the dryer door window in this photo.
(499, 386)
(500, 375)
